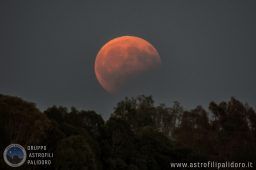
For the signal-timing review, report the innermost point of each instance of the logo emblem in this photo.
(15, 155)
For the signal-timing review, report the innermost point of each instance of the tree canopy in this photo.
(139, 135)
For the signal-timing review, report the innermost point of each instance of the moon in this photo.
(122, 59)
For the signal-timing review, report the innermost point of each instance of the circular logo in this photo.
(15, 155)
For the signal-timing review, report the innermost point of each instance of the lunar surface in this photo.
(122, 59)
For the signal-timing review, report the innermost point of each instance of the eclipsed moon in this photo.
(123, 58)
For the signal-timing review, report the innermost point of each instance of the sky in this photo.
(15, 151)
(207, 48)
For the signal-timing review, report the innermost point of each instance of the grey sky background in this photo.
(48, 49)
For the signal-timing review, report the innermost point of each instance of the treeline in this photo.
(139, 135)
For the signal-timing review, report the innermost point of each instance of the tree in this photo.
(154, 150)
(75, 153)
(21, 122)
(138, 112)
(194, 133)
(233, 126)
(56, 113)
(118, 144)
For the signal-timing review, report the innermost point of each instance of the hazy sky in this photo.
(48, 49)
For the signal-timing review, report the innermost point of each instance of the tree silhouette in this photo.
(139, 135)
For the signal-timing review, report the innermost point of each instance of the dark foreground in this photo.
(138, 136)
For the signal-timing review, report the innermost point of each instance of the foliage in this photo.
(139, 135)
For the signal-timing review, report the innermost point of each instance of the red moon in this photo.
(123, 58)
